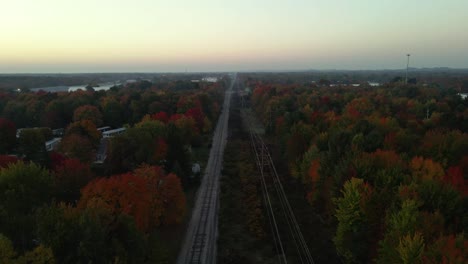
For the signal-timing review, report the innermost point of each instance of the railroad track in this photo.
(288, 240)
(200, 241)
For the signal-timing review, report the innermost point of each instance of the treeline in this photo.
(119, 105)
(10, 82)
(387, 165)
(456, 79)
(61, 207)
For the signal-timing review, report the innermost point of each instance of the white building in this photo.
(104, 129)
(52, 144)
(113, 132)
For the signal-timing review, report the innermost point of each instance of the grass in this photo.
(236, 244)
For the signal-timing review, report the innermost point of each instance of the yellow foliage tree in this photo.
(426, 169)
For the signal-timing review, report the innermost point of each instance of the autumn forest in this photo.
(372, 173)
(69, 206)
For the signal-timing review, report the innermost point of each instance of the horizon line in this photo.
(240, 71)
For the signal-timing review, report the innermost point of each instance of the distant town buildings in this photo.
(210, 79)
(101, 154)
(344, 84)
(206, 79)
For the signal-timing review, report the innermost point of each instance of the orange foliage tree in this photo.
(88, 112)
(85, 128)
(77, 146)
(148, 195)
(122, 194)
(426, 169)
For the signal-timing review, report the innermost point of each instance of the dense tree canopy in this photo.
(148, 195)
(7, 135)
(88, 112)
(61, 206)
(385, 163)
(23, 188)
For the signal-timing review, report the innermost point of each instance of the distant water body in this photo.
(55, 89)
(102, 87)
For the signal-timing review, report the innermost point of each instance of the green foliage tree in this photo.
(23, 188)
(140, 144)
(411, 248)
(113, 113)
(382, 136)
(54, 115)
(31, 144)
(15, 111)
(400, 224)
(7, 252)
(352, 223)
(87, 236)
(40, 255)
(443, 198)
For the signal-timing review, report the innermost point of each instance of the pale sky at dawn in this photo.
(43, 36)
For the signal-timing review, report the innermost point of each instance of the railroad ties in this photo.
(200, 242)
(201, 235)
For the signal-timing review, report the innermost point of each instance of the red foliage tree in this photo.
(160, 151)
(6, 160)
(454, 177)
(314, 178)
(197, 114)
(175, 117)
(56, 159)
(161, 116)
(387, 159)
(447, 250)
(7, 135)
(173, 200)
(70, 177)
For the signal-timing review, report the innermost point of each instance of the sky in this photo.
(49, 36)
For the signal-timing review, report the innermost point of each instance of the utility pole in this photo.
(407, 67)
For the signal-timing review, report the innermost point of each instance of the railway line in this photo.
(278, 208)
(288, 240)
(199, 245)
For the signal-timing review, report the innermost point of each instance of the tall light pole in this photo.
(407, 66)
